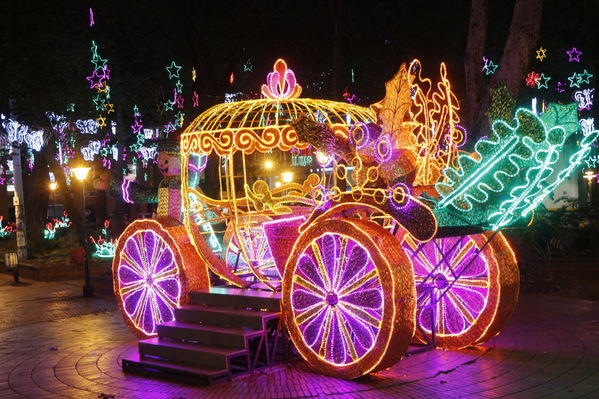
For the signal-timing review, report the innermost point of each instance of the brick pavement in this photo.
(55, 344)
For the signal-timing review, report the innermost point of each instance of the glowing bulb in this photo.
(322, 158)
(277, 184)
(268, 165)
(53, 185)
(80, 173)
(287, 177)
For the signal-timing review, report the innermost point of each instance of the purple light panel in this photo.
(337, 299)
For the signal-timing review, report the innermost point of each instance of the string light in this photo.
(542, 82)
(584, 77)
(574, 55)
(541, 54)
(173, 71)
(584, 98)
(489, 67)
(574, 80)
(281, 83)
(532, 79)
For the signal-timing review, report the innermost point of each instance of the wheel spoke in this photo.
(132, 264)
(309, 313)
(132, 288)
(348, 341)
(358, 283)
(326, 332)
(309, 286)
(321, 267)
(360, 314)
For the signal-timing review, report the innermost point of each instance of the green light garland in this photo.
(510, 171)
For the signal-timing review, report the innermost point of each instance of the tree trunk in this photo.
(35, 187)
(475, 48)
(515, 61)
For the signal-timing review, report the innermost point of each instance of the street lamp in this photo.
(53, 186)
(268, 165)
(287, 177)
(81, 174)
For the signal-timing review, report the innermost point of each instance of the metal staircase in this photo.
(224, 331)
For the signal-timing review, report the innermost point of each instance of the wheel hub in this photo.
(332, 299)
(440, 281)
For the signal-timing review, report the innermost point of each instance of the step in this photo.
(136, 363)
(196, 354)
(207, 334)
(235, 318)
(237, 298)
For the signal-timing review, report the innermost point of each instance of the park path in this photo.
(56, 344)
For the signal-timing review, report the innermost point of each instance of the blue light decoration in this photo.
(513, 169)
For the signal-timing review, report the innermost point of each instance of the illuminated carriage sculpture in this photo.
(366, 263)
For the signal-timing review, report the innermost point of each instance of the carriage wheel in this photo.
(259, 264)
(467, 290)
(150, 273)
(348, 297)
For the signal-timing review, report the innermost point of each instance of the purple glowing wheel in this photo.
(466, 287)
(248, 254)
(349, 309)
(149, 274)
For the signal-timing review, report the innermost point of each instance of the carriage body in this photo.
(366, 263)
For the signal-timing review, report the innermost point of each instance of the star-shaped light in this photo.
(99, 62)
(105, 72)
(574, 55)
(99, 103)
(136, 110)
(136, 127)
(179, 86)
(532, 79)
(180, 118)
(584, 77)
(101, 121)
(541, 54)
(248, 67)
(169, 127)
(168, 106)
(103, 88)
(543, 81)
(95, 79)
(179, 101)
(71, 107)
(193, 74)
(94, 49)
(489, 66)
(194, 99)
(173, 71)
(574, 80)
(560, 87)
(109, 107)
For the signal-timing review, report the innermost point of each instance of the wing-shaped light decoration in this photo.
(514, 169)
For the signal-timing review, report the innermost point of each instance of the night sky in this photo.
(45, 48)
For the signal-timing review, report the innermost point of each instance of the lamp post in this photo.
(81, 174)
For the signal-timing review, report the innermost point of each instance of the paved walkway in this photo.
(56, 344)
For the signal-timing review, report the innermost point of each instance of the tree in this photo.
(523, 36)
